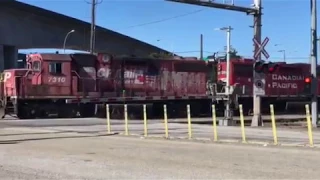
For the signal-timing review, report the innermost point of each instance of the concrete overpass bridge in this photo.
(23, 26)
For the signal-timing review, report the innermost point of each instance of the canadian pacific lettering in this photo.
(286, 85)
(280, 85)
(287, 77)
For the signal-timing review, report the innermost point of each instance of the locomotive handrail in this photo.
(112, 84)
(27, 73)
(79, 77)
(38, 75)
(130, 85)
(76, 73)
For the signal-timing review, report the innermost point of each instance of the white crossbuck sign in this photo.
(261, 48)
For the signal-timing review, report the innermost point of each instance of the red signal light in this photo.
(262, 67)
(271, 69)
(259, 67)
(307, 80)
(307, 86)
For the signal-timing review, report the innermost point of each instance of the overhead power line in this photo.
(247, 56)
(194, 52)
(163, 20)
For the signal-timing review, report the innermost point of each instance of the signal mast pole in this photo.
(314, 82)
(257, 26)
(228, 113)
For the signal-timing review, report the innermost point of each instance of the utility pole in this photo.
(313, 58)
(93, 24)
(201, 47)
(257, 16)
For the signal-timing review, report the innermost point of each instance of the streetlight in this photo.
(65, 39)
(284, 54)
(227, 89)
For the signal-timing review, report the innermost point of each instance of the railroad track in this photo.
(291, 120)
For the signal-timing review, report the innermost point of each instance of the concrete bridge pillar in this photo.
(8, 57)
(1, 58)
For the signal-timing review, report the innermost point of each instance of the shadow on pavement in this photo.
(19, 134)
(49, 138)
(8, 142)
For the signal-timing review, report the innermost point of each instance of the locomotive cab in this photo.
(50, 74)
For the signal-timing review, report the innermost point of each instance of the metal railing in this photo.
(131, 86)
(106, 87)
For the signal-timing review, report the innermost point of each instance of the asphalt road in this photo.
(9, 121)
(24, 154)
(177, 129)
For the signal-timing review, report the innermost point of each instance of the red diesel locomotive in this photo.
(73, 85)
(66, 85)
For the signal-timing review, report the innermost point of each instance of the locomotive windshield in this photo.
(36, 66)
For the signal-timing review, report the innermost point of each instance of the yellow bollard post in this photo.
(309, 125)
(189, 122)
(165, 121)
(108, 118)
(274, 128)
(242, 124)
(214, 121)
(126, 120)
(145, 120)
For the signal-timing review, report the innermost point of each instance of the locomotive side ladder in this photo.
(7, 107)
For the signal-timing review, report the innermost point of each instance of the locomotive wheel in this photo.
(101, 111)
(67, 111)
(116, 112)
(87, 110)
(23, 113)
(2, 112)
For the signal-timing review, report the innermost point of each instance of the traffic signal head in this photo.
(272, 67)
(307, 80)
(259, 67)
(307, 84)
(262, 67)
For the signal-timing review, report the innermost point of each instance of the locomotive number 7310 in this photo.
(54, 79)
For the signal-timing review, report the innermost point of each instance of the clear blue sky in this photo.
(285, 22)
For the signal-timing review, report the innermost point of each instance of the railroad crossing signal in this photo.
(261, 48)
(307, 85)
(262, 67)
